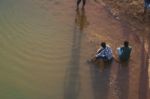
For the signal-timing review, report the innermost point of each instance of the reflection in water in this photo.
(100, 80)
(81, 19)
(72, 83)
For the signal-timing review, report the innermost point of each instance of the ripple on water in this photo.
(35, 48)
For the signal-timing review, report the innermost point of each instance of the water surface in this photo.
(36, 40)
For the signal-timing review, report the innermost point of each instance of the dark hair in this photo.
(126, 43)
(103, 44)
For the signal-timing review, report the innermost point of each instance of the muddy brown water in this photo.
(45, 45)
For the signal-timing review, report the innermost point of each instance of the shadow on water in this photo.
(123, 80)
(72, 83)
(100, 74)
(144, 79)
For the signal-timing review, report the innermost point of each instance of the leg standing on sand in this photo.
(83, 3)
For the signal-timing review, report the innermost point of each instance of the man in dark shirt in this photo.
(124, 51)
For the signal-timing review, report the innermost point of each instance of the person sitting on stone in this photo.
(124, 51)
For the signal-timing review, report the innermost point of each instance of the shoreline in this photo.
(114, 29)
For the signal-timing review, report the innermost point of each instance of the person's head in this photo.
(103, 44)
(126, 43)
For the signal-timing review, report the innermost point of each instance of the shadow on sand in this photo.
(100, 74)
(123, 80)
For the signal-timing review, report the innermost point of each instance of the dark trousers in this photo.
(78, 2)
(146, 5)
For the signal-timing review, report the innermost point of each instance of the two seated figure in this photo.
(105, 52)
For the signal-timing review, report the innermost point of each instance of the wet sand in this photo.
(119, 81)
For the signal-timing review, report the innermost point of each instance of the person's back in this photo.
(124, 52)
(105, 52)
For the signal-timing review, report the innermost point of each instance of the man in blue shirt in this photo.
(124, 52)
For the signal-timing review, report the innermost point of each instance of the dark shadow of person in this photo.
(123, 79)
(100, 76)
(72, 79)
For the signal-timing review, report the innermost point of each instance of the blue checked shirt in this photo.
(106, 52)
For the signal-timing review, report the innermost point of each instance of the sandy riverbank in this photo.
(114, 27)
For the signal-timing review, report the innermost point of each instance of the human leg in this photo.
(78, 2)
(146, 4)
(145, 10)
(101, 57)
(84, 2)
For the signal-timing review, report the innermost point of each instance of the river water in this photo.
(36, 39)
(45, 45)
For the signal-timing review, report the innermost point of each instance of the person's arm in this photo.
(130, 48)
(97, 54)
(99, 50)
